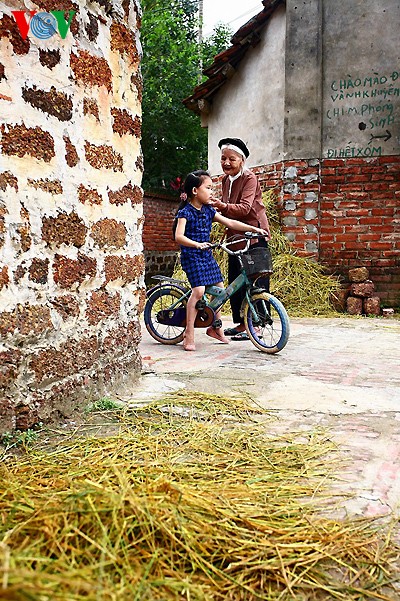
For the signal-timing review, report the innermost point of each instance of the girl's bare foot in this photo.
(188, 345)
(217, 333)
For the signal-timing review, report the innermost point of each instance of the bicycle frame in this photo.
(265, 318)
(220, 295)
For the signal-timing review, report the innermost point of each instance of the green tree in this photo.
(173, 140)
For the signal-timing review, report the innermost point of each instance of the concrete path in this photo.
(342, 374)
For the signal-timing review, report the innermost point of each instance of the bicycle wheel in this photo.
(266, 323)
(163, 324)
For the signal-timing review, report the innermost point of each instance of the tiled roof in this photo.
(225, 63)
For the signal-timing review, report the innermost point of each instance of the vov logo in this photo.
(43, 25)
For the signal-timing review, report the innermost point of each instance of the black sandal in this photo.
(241, 336)
(231, 332)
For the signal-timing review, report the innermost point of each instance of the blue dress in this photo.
(199, 265)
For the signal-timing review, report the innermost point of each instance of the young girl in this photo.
(193, 227)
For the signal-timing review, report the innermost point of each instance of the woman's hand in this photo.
(203, 245)
(264, 233)
(218, 204)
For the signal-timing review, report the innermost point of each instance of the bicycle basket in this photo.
(257, 261)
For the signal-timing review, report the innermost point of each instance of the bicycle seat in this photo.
(165, 278)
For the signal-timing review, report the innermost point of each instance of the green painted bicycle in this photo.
(265, 318)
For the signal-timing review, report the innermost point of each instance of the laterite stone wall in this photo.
(71, 210)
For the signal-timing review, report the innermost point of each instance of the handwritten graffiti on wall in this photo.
(374, 100)
(364, 109)
(353, 151)
(367, 87)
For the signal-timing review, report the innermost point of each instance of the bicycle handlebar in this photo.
(247, 237)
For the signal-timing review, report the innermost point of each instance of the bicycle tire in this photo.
(270, 330)
(162, 298)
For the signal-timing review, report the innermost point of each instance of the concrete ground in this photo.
(342, 374)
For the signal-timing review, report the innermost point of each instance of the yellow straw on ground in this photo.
(193, 499)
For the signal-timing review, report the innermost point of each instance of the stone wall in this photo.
(71, 215)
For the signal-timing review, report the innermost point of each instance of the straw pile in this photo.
(298, 282)
(191, 500)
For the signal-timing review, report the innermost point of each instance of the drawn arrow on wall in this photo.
(385, 137)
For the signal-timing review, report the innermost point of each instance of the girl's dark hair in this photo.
(192, 180)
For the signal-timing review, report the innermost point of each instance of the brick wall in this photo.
(360, 220)
(160, 250)
(344, 213)
(71, 261)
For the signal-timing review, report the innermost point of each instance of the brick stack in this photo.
(359, 296)
(362, 298)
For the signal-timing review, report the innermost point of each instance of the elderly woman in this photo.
(241, 200)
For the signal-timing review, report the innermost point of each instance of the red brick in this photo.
(352, 187)
(328, 171)
(383, 178)
(368, 237)
(374, 169)
(358, 178)
(355, 161)
(372, 220)
(383, 211)
(328, 188)
(347, 237)
(348, 221)
(375, 186)
(357, 212)
(381, 245)
(355, 170)
(389, 159)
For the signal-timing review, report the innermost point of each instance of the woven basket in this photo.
(257, 261)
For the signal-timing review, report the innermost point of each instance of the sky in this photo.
(230, 12)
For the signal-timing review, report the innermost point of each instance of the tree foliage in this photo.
(173, 140)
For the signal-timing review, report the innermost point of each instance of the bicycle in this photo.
(265, 318)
